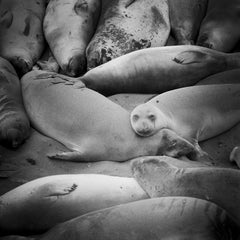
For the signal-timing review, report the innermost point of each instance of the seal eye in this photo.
(135, 117)
(152, 117)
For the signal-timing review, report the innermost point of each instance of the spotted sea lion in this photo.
(87, 123)
(21, 34)
(159, 218)
(220, 27)
(128, 25)
(185, 19)
(14, 123)
(156, 70)
(195, 113)
(68, 27)
(40, 204)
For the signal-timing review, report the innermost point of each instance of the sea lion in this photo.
(220, 27)
(159, 218)
(185, 19)
(21, 34)
(40, 204)
(14, 123)
(195, 113)
(156, 70)
(89, 124)
(160, 178)
(128, 25)
(68, 27)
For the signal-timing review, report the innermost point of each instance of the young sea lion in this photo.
(156, 70)
(90, 125)
(14, 124)
(220, 27)
(128, 25)
(195, 113)
(160, 179)
(185, 19)
(159, 218)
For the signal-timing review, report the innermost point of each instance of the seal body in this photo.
(159, 178)
(219, 28)
(21, 33)
(159, 218)
(86, 122)
(126, 26)
(156, 70)
(14, 123)
(68, 27)
(42, 203)
(185, 18)
(181, 110)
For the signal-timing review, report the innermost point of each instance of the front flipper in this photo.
(173, 145)
(67, 156)
(190, 57)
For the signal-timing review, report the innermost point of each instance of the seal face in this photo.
(146, 120)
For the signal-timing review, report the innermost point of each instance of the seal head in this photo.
(146, 120)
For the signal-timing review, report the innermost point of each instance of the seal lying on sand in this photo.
(185, 19)
(68, 27)
(128, 25)
(14, 124)
(160, 178)
(195, 113)
(42, 203)
(159, 218)
(220, 27)
(89, 124)
(156, 70)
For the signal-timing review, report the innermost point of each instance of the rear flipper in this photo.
(235, 156)
(74, 156)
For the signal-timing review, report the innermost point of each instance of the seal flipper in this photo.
(190, 57)
(74, 156)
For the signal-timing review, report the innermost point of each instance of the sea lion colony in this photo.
(96, 48)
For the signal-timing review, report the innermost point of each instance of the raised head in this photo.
(146, 120)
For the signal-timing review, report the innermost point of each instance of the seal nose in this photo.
(14, 137)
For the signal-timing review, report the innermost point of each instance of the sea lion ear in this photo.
(189, 57)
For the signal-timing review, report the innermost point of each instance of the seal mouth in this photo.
(144, 132)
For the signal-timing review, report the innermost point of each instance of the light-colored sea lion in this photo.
(42, 203)
(68, 27)
(155, 70)
(14, 124)
(89, 124)
(128, 25)
(220, 27)
(21, 33)
(160, 178)
(159, 218)
(195, 113)
(185, 19)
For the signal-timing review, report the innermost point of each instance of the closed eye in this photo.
(152, 117)
(135, 117)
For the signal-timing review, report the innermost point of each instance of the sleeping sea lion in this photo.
(40, 204)
(14, 123)
(90, 125)
(160, 179)
(68, 27)
(159, 218)
(21, 34)
(156, 70)
(185, 19)
(128, 25)
(220, 27)
(195, 113)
